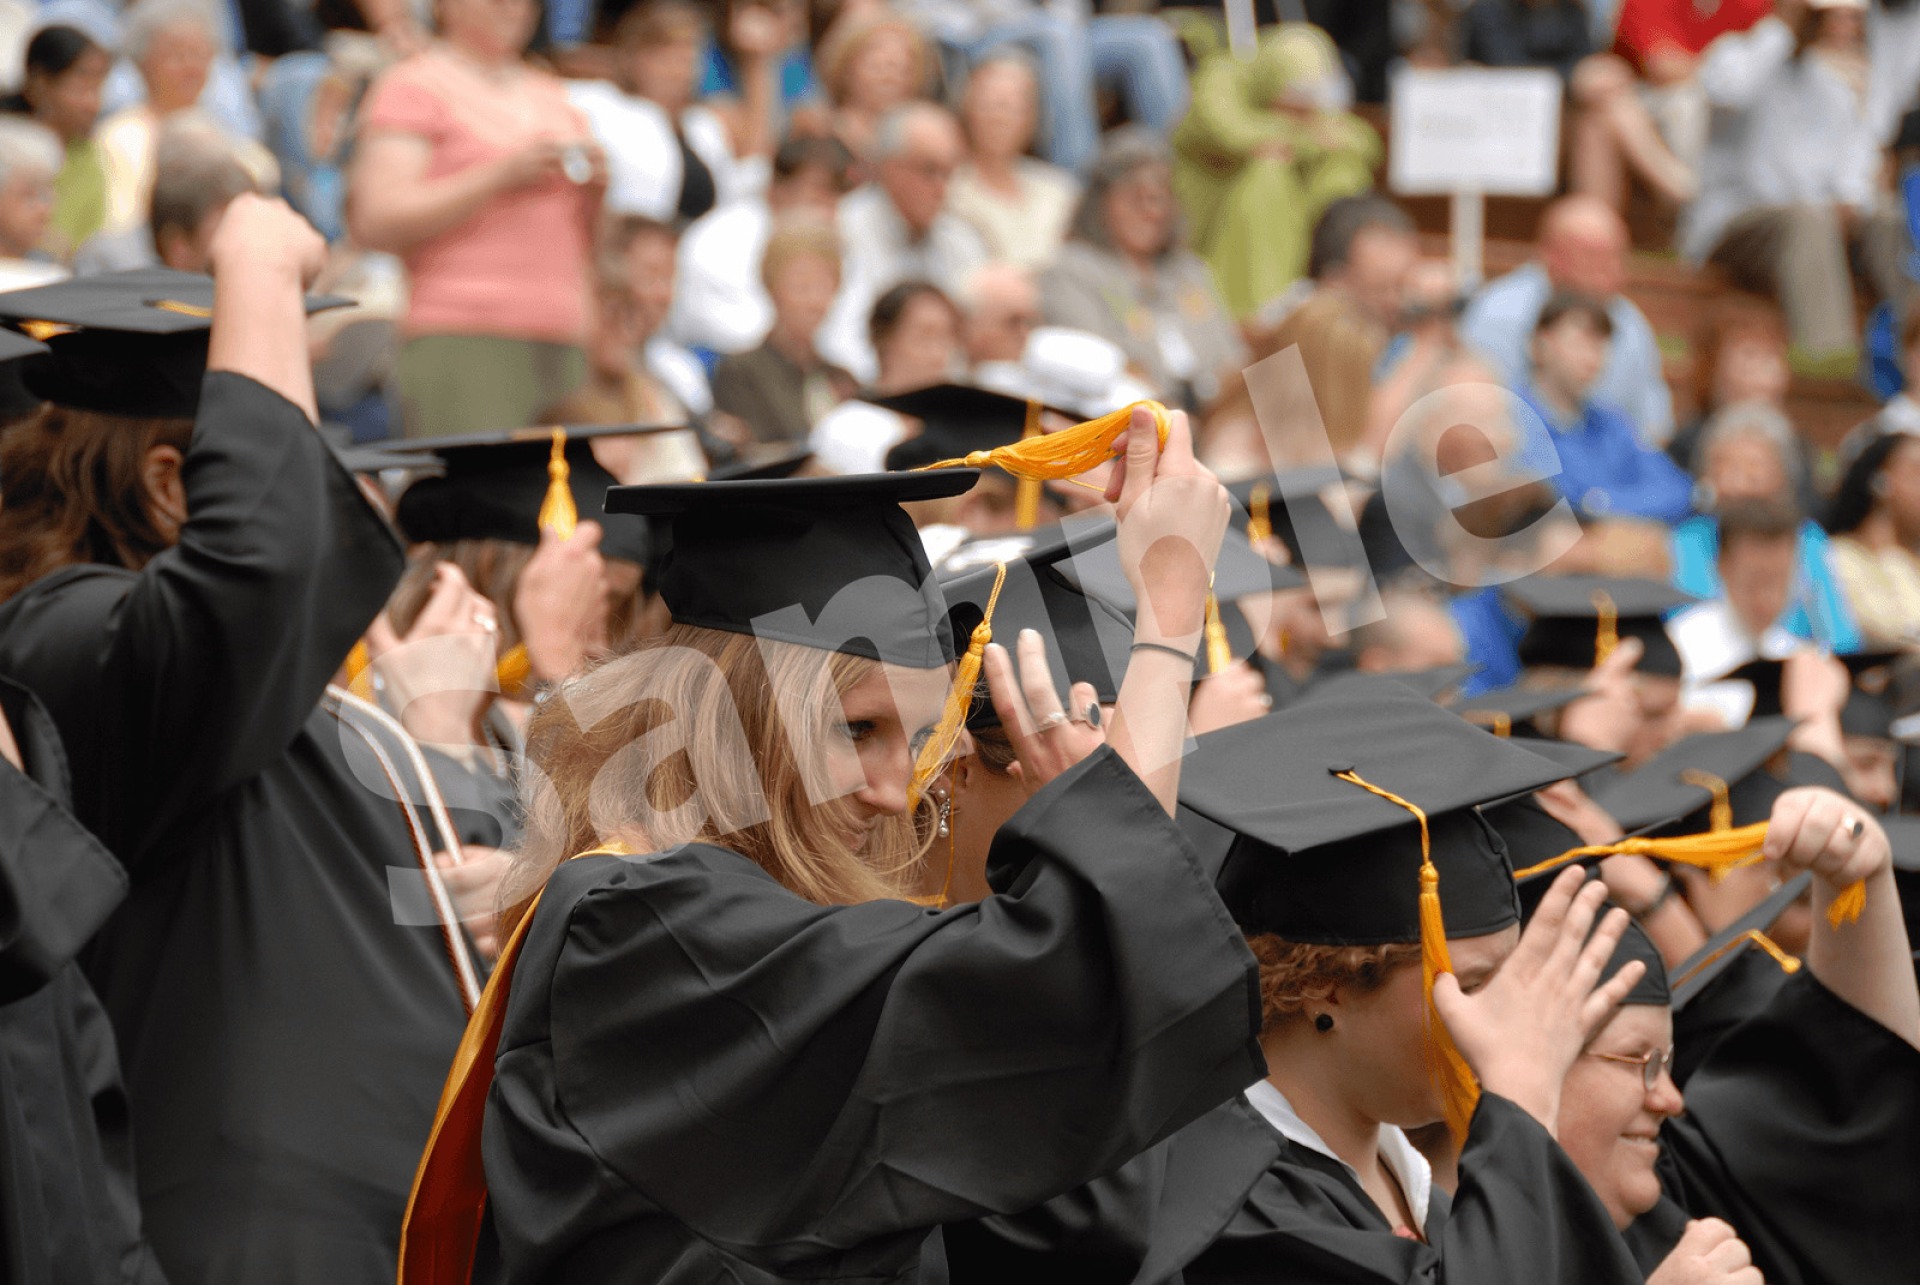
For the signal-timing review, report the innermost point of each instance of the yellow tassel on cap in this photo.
(360, 671)
(1606, 634)
(513, 670)
(1788, 964)
(1259, 516)
(966, 674)
(557, 511)
(1717, 852)
(1026, 493)
(1497, 721)
(1219, 650)
(1053, 457)
(1720, 815)
(1459, 1090)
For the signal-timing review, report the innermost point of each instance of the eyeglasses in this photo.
(1653, 1064)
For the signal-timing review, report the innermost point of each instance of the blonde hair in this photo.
(1294, 974)
(734, 778)
(797, 238)
(847, 37)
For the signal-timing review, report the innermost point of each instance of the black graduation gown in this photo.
(1523, 1214)
(69, 1214)
(703, 1077)
(1743, 989)
(284, 1040)
(1802, 1130)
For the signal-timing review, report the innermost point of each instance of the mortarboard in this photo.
(122, 343)
(762, 468)
(1577, 620)
(1699, 771)
(1280, 504)
(1087, 638)
(1435, 682)
(1507, 711)
(1868, 711)
(832, 563)
(378, 457)
(500, 486)
(15, 401)
(1698, 971)
(958, 420)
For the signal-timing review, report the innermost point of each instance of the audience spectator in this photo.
(1901, 413)
(758, 71)
(197, 176)
(1526, 33)
(1790, 189)
(634, 372)
(1596, 459)
(1581, 247)
(1739, 354)
(1268, 144)
(1748, 451)
(1662, 40)
(916, 334)
(719, 301)
(780, 390)
(475, 169)
(667, 156)
(1020, 206)
(64, 73)
(1616, 137)
(872, 63)
(1421, 354)
(897, 228)
(30, 159)
(1127, 276)
(1135, 55)
(227, 94)
(1875, 524)
(1002, 305)
(172, 43)
(1759, 550)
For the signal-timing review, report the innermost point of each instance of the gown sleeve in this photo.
(1802, 1130)
(790, 1081)
(177, 684)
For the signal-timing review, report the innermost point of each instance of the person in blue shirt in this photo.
(1590, 448)
(1747, 451)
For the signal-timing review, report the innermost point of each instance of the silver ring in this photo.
(485, 621)
(1855, 828)
(1050, 722)
(1266, 700)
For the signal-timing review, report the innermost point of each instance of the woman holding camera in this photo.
(476, 171)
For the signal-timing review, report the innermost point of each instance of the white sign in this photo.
(1475, 129)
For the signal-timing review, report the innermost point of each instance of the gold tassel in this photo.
(1606, 634)
(1717, 852)
(513, 671)
(1219, 650)
(1720, 814)
(1788, 964)
(557, 511)
(1497, 721)
(1259, 516)
(1026, 492)
(953, 718)
(1459, 1090)
(1052, 457)
(360, 671)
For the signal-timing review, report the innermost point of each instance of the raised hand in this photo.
(1816, 829)
(1708, 1254)
(560, 603)
(1522, 1030)
(439, 677)
(1048, 738)
(1172, 513)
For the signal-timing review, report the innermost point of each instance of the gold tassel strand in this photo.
(1606, 634)
(1053, 457)
(557, 511)
(1026, 493)
(953, 718)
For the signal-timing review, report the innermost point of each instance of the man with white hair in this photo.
(30, 159)
(897, 228)
(1002, 307)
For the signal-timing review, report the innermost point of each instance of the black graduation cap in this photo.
(1279, 504)
(832, 563)
(15, 401)
(1087, 639)
(1575, 760)
(1698, 971)
(1869, 709)
(1435, 682)
(1694, 774)
(1571, 616)
(957, 420)
(1319, 858)
(378, 457)
(122, 343)
(761, 469)
(494, 485)
(1508, 711)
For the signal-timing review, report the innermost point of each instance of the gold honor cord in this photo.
(1026, 492)
(1717, 852)
(1459, 1089)
(966, 674)
(1606, 634)
(557, 511)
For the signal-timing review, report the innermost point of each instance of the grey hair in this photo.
(1009, 55)
(148, 18)
(1125, 150)
(890, 135)
(1753, 419)
(27, 146)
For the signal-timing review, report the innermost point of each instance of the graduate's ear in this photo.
(166, 492)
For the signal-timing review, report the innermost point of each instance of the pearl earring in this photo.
(946, 814)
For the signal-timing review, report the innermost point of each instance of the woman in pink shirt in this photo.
(478, 173)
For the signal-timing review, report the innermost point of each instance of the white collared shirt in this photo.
(1408, 1166)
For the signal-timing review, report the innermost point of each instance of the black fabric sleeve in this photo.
(1802, 1130)
(790, 1080)
(58, 885)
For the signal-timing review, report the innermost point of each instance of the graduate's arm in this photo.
(1867, 962)
(264, 257)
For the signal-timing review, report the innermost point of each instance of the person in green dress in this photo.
(65, 71)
